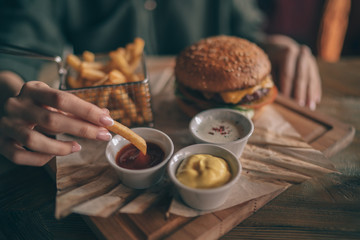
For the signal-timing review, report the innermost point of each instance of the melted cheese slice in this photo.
(235, 96)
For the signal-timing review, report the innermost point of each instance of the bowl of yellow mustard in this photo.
(204, 174)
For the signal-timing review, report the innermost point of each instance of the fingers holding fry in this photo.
(129, 135)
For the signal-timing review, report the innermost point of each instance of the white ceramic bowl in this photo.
(222, 114)
(142, 178)
(204, 199)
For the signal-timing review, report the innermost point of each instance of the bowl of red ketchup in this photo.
(135, 169)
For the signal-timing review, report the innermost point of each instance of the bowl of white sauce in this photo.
(221, 126)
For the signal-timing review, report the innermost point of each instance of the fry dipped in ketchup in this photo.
(131, 158)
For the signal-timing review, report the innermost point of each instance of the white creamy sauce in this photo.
(220, 131)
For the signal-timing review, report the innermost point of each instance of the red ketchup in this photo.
(131, 158)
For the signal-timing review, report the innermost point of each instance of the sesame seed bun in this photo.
(222, 63)
(224, 71)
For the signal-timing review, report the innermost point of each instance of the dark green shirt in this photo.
(167, 26)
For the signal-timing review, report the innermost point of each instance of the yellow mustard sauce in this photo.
(203, 171)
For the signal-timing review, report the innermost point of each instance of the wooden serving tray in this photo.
(321, 132)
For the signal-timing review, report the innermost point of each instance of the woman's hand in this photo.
(295, 69)
(39, 110)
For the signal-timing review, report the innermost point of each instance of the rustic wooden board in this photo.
(323, 133)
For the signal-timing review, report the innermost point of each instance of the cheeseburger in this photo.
(223, 71)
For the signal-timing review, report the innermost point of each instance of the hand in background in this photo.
(39, 110)
(295, 70)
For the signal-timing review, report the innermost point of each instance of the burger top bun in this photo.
(222, 63)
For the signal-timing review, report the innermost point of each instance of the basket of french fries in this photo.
(117, 81)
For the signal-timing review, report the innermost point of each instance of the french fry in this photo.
(92, 74)
(91, 95)
(143, 102)
(129, 135)
(139, 44)
(93, 65)
(74, 62)
(133, 78)
(80, 95)
(139, 119)
(118, 114)
(74, 82)
(137, 50)
(122, 97)
(116, 77)
(120, 62)
(126, 121)
(102, 98)
(129, 51)
(88, 56)
(101, 81)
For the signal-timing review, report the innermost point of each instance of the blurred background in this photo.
(330, 27)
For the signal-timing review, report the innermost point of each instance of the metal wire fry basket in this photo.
(128, 103)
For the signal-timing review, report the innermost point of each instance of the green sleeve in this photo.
(32, 25)
(247, 20)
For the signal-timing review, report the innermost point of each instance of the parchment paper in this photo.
(275, 158)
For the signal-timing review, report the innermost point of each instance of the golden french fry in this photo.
(121, 51)
(103, 98)
(110, 65)
(126, 121)
(133, 78)
(129, 135)
(92, 74)
(101, 81)
(88, 56)
(93, 65)
(120, 62)
(73, 82)
(134, 52)
(121, 96)
(135, 63)
(90, 96)
(142, 99)
(140, 76)
(118, 114)
(74, 62)
(129, 52)
(139, 119)
(139, 44)
(117, 77)
(80, 95)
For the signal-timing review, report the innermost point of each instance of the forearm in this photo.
(10, 85)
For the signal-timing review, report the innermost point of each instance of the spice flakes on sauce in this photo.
(220, 131)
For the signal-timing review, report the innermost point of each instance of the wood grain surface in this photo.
(327, 207)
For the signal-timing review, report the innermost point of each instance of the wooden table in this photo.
(324, 208)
